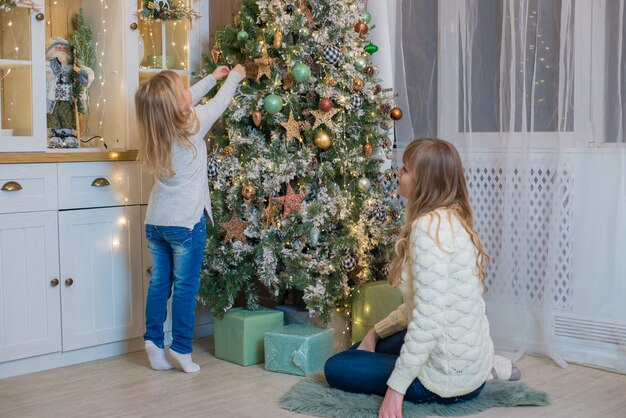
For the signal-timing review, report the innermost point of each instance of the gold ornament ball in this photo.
(358, 84)
(330, 80)
(322, 140)
(364, 184)
(229, 150)
(396, 113)
(248, 191)
(367, 149)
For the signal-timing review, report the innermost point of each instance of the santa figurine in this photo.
(66, 83)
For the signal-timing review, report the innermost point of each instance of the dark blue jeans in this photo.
(361, 371)
(177, 255)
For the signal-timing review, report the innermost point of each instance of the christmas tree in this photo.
(84, 54)
(300, 201)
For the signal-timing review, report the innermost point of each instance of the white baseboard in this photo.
(61, 359)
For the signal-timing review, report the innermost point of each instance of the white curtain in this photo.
(533, 93)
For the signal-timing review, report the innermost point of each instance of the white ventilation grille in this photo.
(523, 214)
(590, 330)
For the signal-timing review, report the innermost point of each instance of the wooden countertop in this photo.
(66, 157)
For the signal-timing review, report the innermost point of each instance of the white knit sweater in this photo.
(181, 199)
(447, 345)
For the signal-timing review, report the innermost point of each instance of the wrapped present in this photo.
(372, 302)
(297, 349)
(339, 323)
(239, 335)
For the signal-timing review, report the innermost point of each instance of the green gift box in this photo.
(371, 303)
(297, 349)
(239, 335)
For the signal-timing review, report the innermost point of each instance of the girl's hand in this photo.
(392, 405)
(240, 69)
(220, 72)
(369, 341)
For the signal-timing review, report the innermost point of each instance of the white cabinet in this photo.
(30, 322)
(100, 253)
(71, 285)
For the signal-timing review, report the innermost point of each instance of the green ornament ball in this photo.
(273, 104)
(366, 17)
(301, 73)
(360, 63)
(371, 48)
(242, 36)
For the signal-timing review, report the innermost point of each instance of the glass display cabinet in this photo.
(121, 48)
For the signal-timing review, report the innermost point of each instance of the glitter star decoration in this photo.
(291, 201)
(324, 118)
(234, 229)
(263, 65)
(293, 128)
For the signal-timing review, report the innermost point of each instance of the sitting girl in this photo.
(435, 347)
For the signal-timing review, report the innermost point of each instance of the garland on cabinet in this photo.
(157, 10)
(8, 5)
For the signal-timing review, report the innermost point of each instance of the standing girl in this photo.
(436, 346)
(172, 147)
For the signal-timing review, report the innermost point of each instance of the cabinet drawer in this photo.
(91, 185)
(28, 187)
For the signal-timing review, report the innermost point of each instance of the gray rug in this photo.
(313, 396)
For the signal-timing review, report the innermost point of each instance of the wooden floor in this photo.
(124, 386)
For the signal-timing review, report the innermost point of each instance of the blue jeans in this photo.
(177, 255)
(361, 371)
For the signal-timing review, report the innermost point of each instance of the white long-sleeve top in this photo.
(447, 344)
(179, 200)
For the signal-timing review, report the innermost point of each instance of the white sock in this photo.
(504, 369)
(185, 362)
(156, 355)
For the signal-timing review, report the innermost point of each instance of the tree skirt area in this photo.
(313, 396)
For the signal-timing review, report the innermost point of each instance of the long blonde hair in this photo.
(162, 120)
(439, 183)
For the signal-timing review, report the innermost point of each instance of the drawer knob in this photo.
(69, 282)
(39, 16)
(134, 26)
(100, 182)
(54, 282)
(11, 186)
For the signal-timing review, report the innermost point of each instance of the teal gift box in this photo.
(297, 349)
(372, 302)
(239, 335)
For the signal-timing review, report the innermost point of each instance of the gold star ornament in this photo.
(293, 128)
(291, 202)
(263, 65)
(324, 118)
(234, 229)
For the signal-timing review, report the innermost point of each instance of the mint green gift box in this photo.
(372, 302)
(239, 335)
(297, 349)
